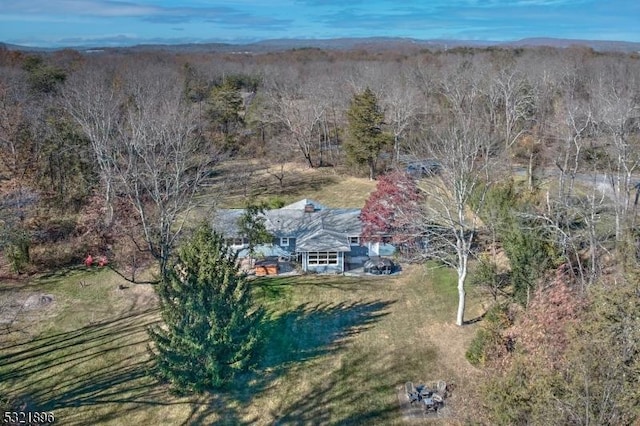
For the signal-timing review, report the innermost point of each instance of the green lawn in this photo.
(337, 349)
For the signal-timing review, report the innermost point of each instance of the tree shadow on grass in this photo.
(92, 366)
(100, 372)
(291, 339)
(238, 183)
(351, 395)
(308, 331)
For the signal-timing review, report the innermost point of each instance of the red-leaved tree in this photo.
(387, 211)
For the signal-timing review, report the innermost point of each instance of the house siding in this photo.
(358, 251)
(291, 248)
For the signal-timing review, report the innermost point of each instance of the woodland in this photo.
(534, 204)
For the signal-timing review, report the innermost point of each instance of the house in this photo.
(321, 239)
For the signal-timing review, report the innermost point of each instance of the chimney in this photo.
(309, 208)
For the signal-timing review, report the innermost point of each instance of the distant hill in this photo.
(370, 44)
(598, 45)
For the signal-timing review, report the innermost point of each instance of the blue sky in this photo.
(56, 23)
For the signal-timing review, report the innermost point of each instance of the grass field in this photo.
(337, 349)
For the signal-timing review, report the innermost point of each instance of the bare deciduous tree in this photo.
(401, 105)
(617, 107)
(512, 97)
(462, 146)
(300, 115)
(147, 138)
(94, 100)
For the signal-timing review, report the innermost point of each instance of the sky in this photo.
(68, 23)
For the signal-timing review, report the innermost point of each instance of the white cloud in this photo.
(104, 8)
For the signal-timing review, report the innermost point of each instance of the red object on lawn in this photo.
(88, 261)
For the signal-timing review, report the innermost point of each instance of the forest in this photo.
(538, 153)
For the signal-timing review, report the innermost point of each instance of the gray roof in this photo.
(325, 229)
(323, 240)
(264, 250)
(300, 205)
(225, 221)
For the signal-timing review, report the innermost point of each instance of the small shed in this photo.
(266, 267)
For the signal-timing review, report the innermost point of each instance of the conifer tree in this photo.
(226, 110)
(366, 140)
(252, 224)
(211, 328)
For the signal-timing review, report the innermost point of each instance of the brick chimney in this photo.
(309, 208)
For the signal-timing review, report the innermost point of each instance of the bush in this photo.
(490, 340)
(60, 254)
(274, 202)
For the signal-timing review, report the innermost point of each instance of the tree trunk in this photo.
(530, 172)
(462, 275)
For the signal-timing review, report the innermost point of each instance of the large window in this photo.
(238, 241)
(323, 258)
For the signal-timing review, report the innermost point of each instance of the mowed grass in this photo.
(336, 350)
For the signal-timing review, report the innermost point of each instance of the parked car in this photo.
(424, 168)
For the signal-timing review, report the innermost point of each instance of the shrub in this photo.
(491, 340)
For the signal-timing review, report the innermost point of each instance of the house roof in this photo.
(324, 229)
(300, 205)
(323, 240)
(264, 250)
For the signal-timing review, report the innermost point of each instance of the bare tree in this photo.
(151, 150)
(462, 145)
(512, 99)
(401, 102)
(300, 115)
(94, 100)
(617, 118)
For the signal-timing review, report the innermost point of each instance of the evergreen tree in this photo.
(211, 328)
(366, 140)
(252, 225)
(226, 110)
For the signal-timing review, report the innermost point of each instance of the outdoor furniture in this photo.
(431, 398)
(379, 265)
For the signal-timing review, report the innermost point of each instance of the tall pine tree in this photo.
(366, 140)
(211, 328)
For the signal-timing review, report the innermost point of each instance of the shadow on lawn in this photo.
(94, 365)
(353, 393)
(291, 339)
(238, 183)
(306, 332)
(105, 363)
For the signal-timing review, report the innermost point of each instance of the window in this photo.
(284, 241)
(354, 241)
(322, 258)
(238, 241)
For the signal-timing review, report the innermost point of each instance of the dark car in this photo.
(424, 168)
